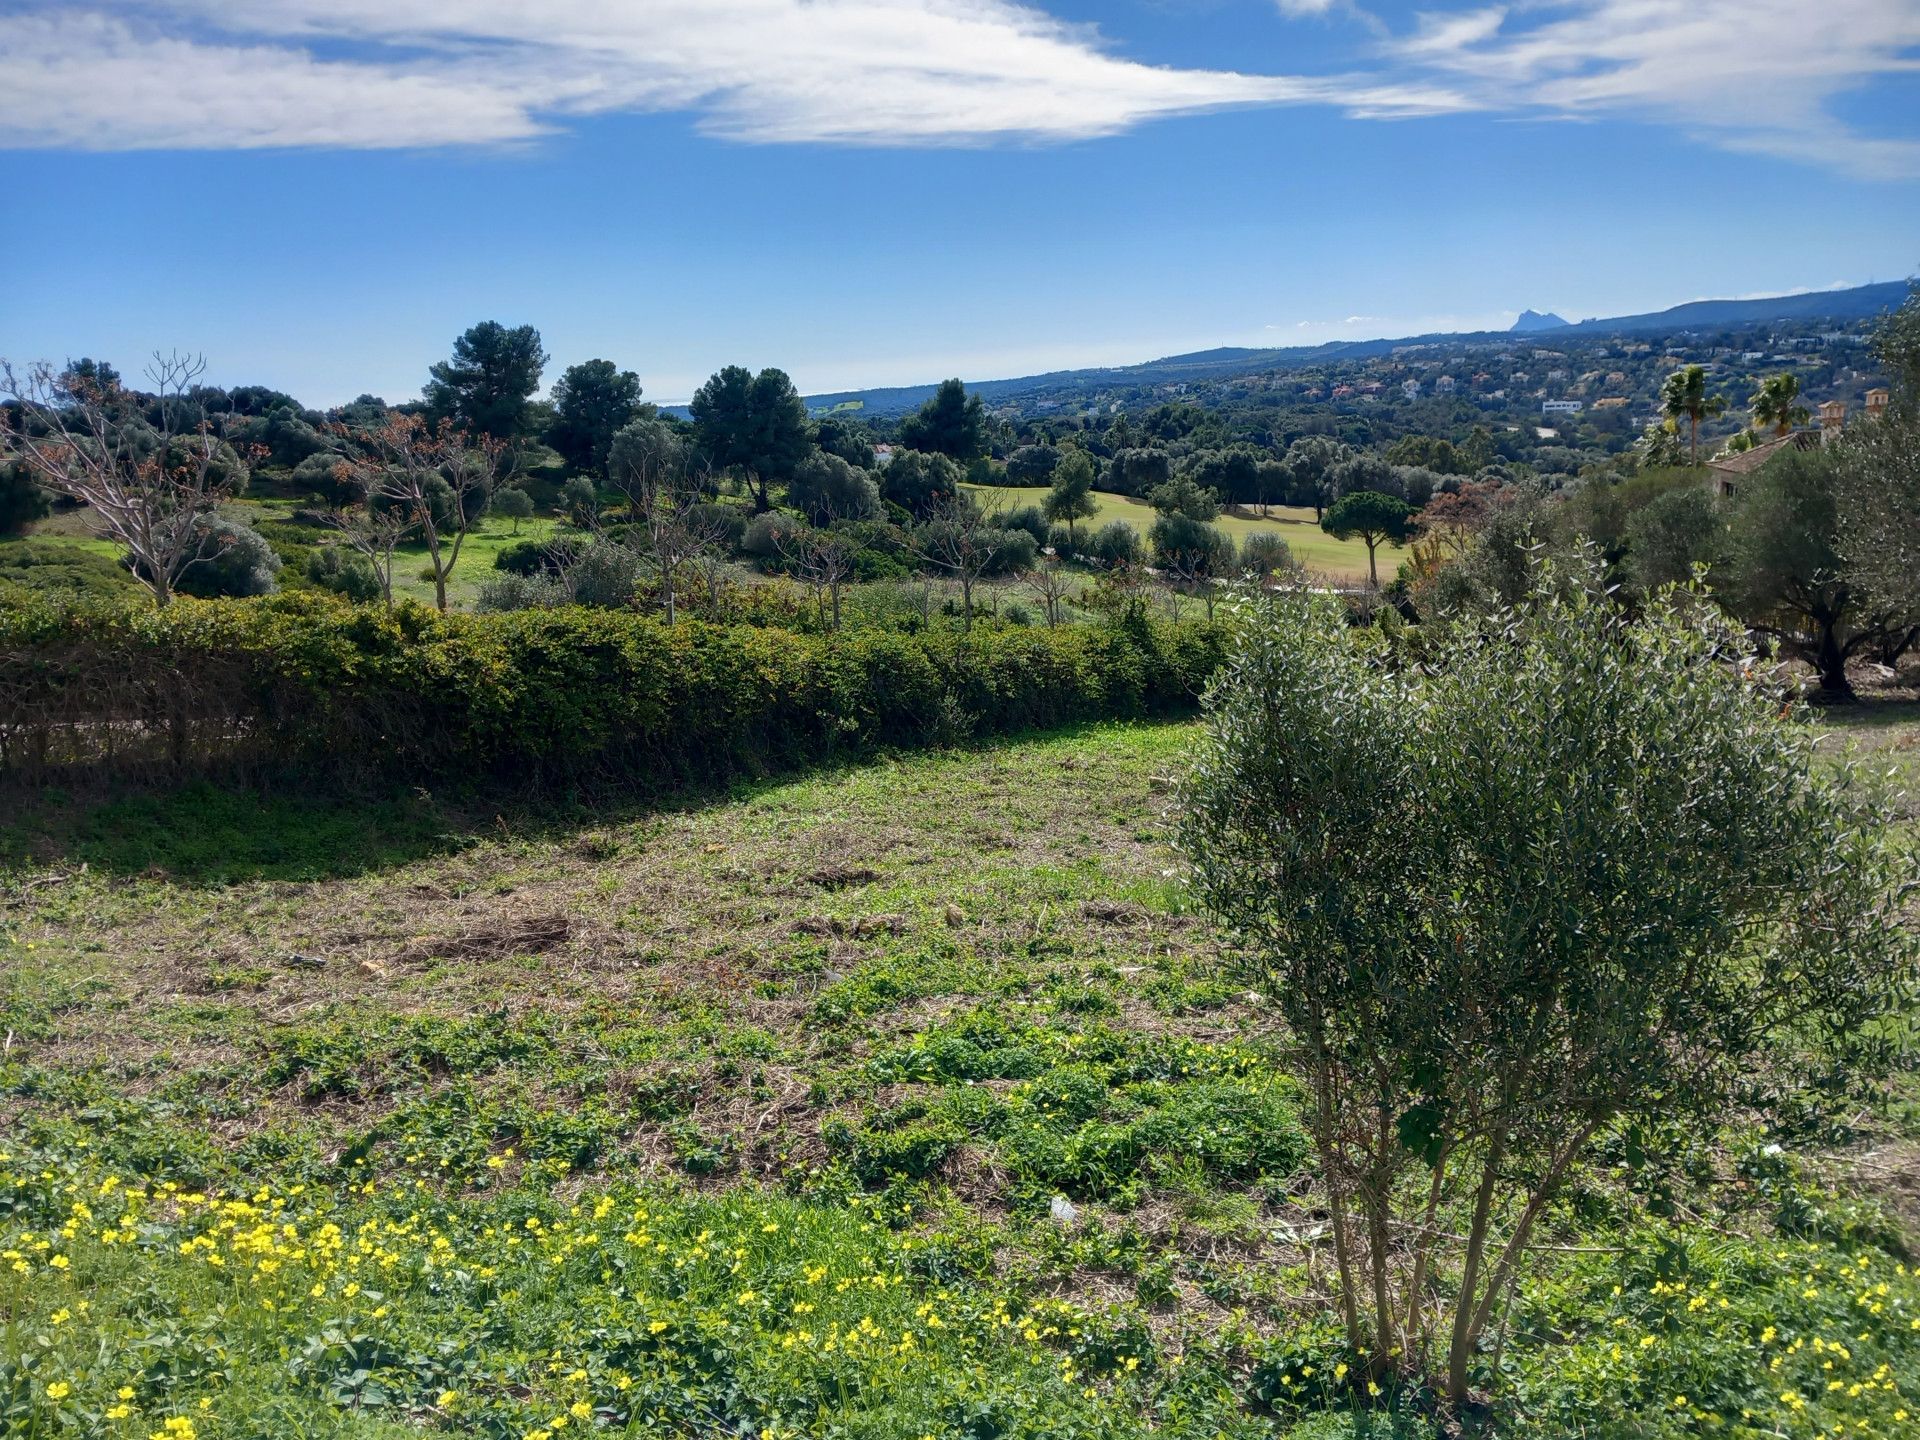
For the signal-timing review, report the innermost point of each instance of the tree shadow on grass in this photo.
(1873, 712)
(214, 833)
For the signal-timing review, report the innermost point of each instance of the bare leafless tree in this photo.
(1189, 575)
(960, 539)
(154, 487)
(437, 478)
(375, 533)
(1050, 585)
(823, 560)
(666, 496)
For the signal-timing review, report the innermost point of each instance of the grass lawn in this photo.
(1312, 546)
(483, 544)
(747, 1114)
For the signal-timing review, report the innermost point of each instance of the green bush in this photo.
(343, 572)
(1028, 518)
(511, 590)
(729, 520)
(325, 475)
(537, 557)
(302, 678)
(1265, 553)
(237, 561)
(1115, 543)
(21, 499)
(59, 566)
(606, 574)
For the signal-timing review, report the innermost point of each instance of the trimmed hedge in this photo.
(304, 679)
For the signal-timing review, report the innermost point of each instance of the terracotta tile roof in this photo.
(1748, 461)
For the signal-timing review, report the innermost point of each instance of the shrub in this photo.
(237, 562)
(580, 501)
(1191, 547)
(606, 574)
(730, 521)
(343, 572)
(324, 475)
(512, 591)
(1013, 551)
(761, 539)
(538, 557)
(58, 566)
(1115, 543)
(1029, 518)
(1265, 553)
(21, 499)
(1068, 544)
(826, 488)
(303, 679)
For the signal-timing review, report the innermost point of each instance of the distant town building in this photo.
(1876, 404)
(1444, 385)
(1559, 407)
(1411, 389)
(883, 454)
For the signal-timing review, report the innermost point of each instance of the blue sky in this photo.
(319, 194)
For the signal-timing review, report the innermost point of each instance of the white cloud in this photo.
(244, 73)
(89, 82)
(1753, 76)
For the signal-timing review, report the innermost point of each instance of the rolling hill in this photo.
(1227, 362)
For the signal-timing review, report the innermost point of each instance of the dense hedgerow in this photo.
(304, 679)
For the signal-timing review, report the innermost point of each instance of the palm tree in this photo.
(1685, 393)
(1777, 403)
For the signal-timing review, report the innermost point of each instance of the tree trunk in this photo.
(1460, 1352)
(1830, 659)
(1373, 575)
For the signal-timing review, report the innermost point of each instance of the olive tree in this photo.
(514, 504)
(1581, 871)
(1876, 478)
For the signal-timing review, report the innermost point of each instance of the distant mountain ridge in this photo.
(1225, 362)
(1534, 320)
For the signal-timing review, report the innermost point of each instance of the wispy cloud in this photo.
(247, 73)
(1754, 76)
(1750, 76)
